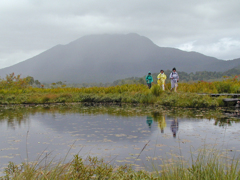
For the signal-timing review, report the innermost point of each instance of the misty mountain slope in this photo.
(224, 65)
(105, 58)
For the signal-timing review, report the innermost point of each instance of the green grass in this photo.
(15, 90)
(205, 164)
(153, 96)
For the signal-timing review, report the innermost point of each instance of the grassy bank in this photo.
(15, 90)
(206, 164)
(118, 94)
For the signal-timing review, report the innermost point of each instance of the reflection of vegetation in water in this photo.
(231, 115)
(13, 118)
(222, 122)
(15, 115)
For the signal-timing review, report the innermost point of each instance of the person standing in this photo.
(149, 80)
(174, 79)
(161, 79)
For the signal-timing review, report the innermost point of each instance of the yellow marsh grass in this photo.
(204, 164)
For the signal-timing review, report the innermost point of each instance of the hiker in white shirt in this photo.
(174, 79)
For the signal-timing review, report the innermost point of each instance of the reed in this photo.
(15, 90)
(206, 164)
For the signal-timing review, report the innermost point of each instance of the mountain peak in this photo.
(109, 38)
(108, 57)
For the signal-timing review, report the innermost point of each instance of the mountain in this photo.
(105, 58)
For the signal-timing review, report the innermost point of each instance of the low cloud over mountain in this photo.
(105, 58)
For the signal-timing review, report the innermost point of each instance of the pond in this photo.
(137, 135)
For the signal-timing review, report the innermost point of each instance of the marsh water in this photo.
(137, 135)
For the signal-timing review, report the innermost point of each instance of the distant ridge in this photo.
(108, 57)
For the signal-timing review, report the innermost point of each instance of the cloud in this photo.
(16, 57)
(204, 26)
(219, 49)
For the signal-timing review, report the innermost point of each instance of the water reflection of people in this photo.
(162, 123)
(149, 121)
(174, 127)
(237, 112)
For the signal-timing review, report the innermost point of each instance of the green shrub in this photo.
(45, 99)
(156, 90)
(189, 100)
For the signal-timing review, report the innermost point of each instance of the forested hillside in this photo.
(184, 77)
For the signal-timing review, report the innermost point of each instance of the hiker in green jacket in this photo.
(149, 80)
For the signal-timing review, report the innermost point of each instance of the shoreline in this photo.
(186, 100)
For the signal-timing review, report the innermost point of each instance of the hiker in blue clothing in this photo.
(149, 80)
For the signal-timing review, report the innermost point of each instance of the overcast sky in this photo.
(29, 27)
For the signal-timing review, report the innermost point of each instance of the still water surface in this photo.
(135, 135)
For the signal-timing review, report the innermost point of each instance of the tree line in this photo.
(184, 77)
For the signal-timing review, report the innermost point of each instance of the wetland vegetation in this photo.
(22, 103)
(17, 90)
(208, 161)
(209, 164)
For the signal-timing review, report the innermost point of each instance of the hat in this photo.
(149, 72)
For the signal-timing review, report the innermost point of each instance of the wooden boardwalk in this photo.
(231, 100)
(221, 94)
(234, 100)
